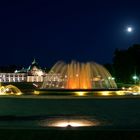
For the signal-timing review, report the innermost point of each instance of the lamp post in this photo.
(135, 78)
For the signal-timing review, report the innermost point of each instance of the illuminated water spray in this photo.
(76, 75)
(9, 90)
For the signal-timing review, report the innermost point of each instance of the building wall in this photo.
(24, 77)
(34, 78)
(13, 77)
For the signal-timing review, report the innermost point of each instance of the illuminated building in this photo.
(74, 75)
(32, 74)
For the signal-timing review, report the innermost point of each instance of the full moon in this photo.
(129, 29)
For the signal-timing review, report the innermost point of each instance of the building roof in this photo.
(23, 70)
(34, 64)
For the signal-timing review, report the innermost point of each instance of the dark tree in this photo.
(110, 68)
(127, 63)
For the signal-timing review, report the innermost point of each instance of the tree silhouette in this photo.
(127, 63)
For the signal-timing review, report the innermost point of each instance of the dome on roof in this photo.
(34, 65)
(34, 69)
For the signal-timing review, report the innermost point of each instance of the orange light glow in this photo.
(70, 123)
(76, 75)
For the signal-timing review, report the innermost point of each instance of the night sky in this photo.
(66, 30)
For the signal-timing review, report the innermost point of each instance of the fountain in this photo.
(136, 88)
(78, 75)
(9, 90)
(133, 90)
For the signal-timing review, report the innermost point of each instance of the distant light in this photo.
(135, 77)
(77, 75)
(109, 78)
(36, 92)
(120, 92)
(135, 93)
(130, 88)
(80, 93)
(105, 93)
(16, 71)
(19, 93)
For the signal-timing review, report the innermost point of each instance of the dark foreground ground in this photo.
(32, 134)
(119, 117)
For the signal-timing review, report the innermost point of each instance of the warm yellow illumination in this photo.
(39, 73)
(136, 93)
(9, 90)
(67, 124)
(120, 92)
(130, 88)
(134, 90)
(70, 123)
(105, 93)
(36, 92)
(19, 93)
(80, 93)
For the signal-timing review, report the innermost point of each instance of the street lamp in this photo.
(135, 78)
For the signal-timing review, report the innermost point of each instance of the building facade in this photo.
(13, 77)
(32, 74)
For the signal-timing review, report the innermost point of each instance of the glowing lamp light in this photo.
(109, 78)
(135, 77)
(70, 123)
(80, 93)
(19, 93)
(36, 92)
(105, 93)
(120, 93)
(135, 93)
(113, 78)
(130, 88)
